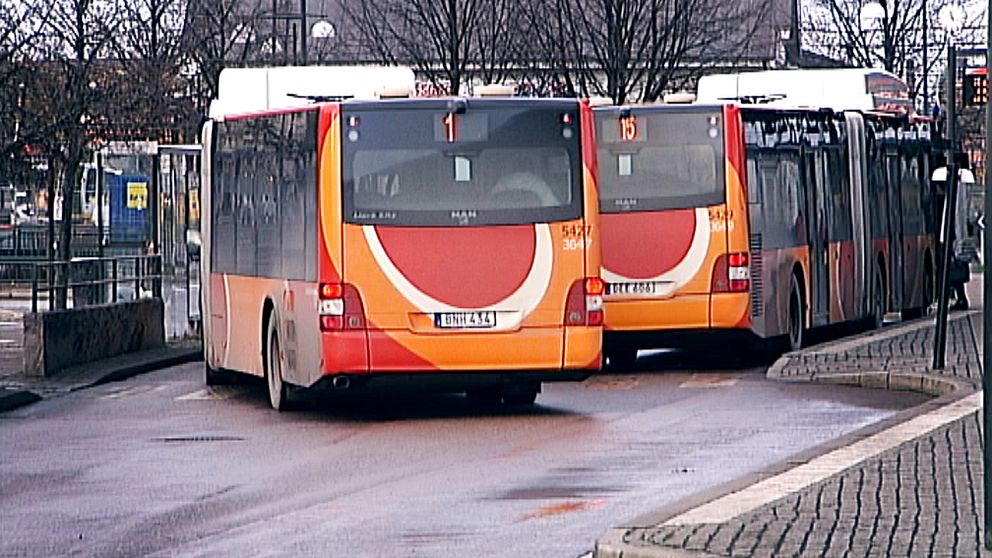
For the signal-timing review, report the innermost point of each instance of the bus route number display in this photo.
(460, 128)
(625, 129)
(628, 128)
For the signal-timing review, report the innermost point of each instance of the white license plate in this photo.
(640, 288)
(465, 319)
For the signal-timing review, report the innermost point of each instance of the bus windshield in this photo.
(660, 160)
(439, 166)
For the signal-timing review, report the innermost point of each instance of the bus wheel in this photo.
(215, 377)
(278, 390)
(484, 396)
(924, 308)
(621, 357)
(928, 293)
(878, 302)
(796, 326)
(521, 394)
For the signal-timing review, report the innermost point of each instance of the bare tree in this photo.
(153, 98)
(222, 33)
(63, 92)
(638, 49)
(447, 41)
(20, 26)
(499, 40)
(895, 35)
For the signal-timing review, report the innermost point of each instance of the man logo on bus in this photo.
(464, 216)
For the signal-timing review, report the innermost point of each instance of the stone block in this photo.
(59, 339)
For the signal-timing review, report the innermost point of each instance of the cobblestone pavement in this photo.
(920, 498)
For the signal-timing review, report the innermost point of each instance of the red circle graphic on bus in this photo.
(467, 268)
(645, 245)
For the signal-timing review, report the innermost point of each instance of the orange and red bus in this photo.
(444, 242)
(758, 222)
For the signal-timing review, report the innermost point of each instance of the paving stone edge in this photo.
(616, 543)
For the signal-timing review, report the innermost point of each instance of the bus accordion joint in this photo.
(341, 307)
(584, 305)
(731, 273)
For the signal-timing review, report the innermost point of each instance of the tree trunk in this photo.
(70, 180)
(50, 237)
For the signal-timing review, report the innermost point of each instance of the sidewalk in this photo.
(18, 389)
(908, 486)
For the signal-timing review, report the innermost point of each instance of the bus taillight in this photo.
(731, 273)
(584, 305)
(340, 307)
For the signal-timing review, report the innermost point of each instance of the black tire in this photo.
(279, 391)
(878, 305)
(928, 290)
(215, 377)
(797, 327)
(484, 396)
(621, 357)
(521, 394)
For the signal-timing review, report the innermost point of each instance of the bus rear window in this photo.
(660, 160)
(481, 166)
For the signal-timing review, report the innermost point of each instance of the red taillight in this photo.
(595, 286)
(584, 305)
(731, 273)
(331, 290)
(340, 307)
(737, 260)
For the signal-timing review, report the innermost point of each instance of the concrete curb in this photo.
(11, 399)
(128, 371)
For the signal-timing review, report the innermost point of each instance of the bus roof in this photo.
(863, 89)
(253, 90)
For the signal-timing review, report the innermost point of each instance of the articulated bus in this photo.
(759, 221)
(444, 242)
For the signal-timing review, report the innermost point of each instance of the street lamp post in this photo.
(986, 316)
(303, 32)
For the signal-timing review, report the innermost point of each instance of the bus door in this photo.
(894, 218)
(818, 234)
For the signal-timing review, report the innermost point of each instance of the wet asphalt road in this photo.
(161, 465)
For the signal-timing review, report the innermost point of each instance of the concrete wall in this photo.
(57, 340)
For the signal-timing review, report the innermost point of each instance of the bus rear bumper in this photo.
(707, 339)
(554, 349)
(705, 311)
(443, 382)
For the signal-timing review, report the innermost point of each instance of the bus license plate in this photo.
(465, 319)
(641, 288)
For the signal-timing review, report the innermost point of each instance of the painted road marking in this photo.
(611, 383)
(708, 381)
(121, 393)
(767, 491)
(212, 394)
(198, 395)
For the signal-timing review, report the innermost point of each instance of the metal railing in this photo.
(30, 242)
(93, 281)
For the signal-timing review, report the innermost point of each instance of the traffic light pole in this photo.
(987, 297)
(950, 206)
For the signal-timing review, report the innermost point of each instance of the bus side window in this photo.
(224, 195)
(752, 182)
